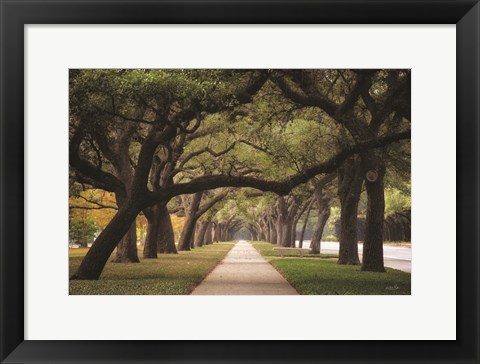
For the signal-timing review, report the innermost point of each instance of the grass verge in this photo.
(170, 274)
(267, 250)
(323, 276)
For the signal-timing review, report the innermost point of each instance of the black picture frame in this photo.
(15, 14)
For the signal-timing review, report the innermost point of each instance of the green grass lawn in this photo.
(323, 276)
(170, 274)
(267, 250)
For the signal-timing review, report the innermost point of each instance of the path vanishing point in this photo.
(244, 272)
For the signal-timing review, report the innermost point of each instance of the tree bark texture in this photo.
(373, 244)
(189, 226)
(166, 237)
(160, 236)
(200, 236)
(349, 190)
(323, 199)
(305, 222)
(273, 231)
(127, 247)
(208, 233)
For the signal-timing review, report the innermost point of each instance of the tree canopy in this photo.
(303, 138)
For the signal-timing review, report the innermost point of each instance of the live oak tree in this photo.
(161, 117)
(366, 103)
(100, 141)
(168, 106)
(323, 199)
(111, 111)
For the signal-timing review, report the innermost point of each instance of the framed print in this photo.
(239, 181)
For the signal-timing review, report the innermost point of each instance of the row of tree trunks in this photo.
(351, 179)
(194, 232)
(323, 200)
(273, 231)
(203, 235)
(207, 232)
(397, 226)
(225, 231)
(299, 213)
(252, 230)
(266, 228)
(285, 222)
(304, 226)
(208, 237)
(280, 226)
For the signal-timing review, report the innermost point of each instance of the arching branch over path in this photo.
(279, 187)
(95, 260)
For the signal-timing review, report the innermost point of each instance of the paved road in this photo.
(398, 257)
(244, 272)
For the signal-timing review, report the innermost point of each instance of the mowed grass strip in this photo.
(323, 276)
(170, 274)
(267, 250)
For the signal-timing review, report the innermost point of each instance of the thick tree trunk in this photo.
(286, 229)
(283, 234)
(200, 237)
(224, 232)
(208, 233)
(373, 244)
(293, 233)
(278, 229)
(273, 232)
(302, 235)
(187, 232)
(266, 228)
(160, 237)
(97, 256)
(260, 234)
(194, 234)
(216, 232)
(189, 227)
(150, 246)
(350, 187)
(323, 202)
(305, 206)
(166, 236)
(127, 247)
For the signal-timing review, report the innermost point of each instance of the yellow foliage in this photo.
(89, 205)
(90, 202)
(177, 223)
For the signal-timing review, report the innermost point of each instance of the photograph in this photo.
(239, 182)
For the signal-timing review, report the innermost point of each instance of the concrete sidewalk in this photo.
(244, 272)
